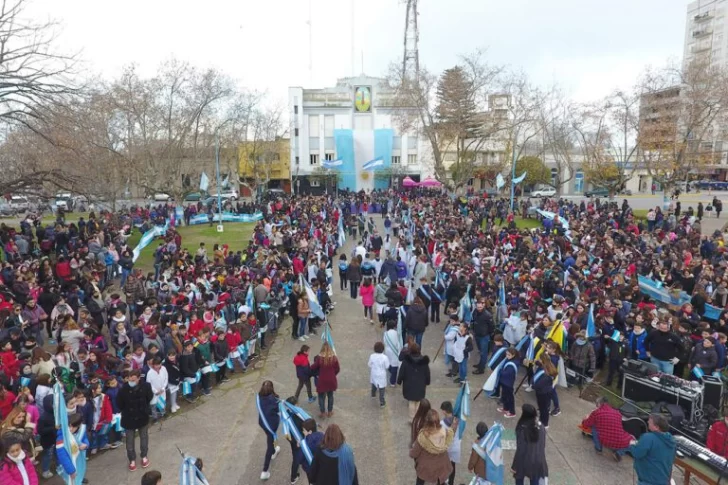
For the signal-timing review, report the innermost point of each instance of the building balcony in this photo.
(699, 34)
(699, 48)
(703, 17)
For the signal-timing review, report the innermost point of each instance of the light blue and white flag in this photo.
(591, 330)
(490, 450)
(67, 443)
(289, 426)
(326, 336)
(189, 474)
(461, 409)
(520, 179)
(332, 163)
(372, 164)
(147, 238)
(204, 182)
(500, 182)
(312, 299)
(342, 233)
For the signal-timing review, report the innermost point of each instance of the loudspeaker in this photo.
(712, 391)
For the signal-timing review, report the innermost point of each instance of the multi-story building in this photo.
(354, 122)
(706, 32)
(264, 164)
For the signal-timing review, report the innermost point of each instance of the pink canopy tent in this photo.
(408, 182)
(430, 182)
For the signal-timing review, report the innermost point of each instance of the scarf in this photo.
(346, 463)
(20, 463)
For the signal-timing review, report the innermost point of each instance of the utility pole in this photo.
(411, 57)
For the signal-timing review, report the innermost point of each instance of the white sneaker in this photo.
(278, 449)
(265, 475)
(47, 475)
(528, 389)
(175, 409)
(301, 339)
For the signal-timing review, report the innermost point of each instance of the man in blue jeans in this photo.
(482, 329)
(605, 425)
(664, 347)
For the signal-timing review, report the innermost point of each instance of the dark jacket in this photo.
(133, 403)
(389, 268)
(393, 295)
(707, 358)
(353, 273)
(663, 345)
(173, 371)
(47, 423)
(325, 470)
(269, 407)
(530, 458)
(189, 364)
(482, 323)
(314, 443)
(416, 320)
(414, 375)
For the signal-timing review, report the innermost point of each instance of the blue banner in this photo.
(657, 292)
(383, 142)
(344, 141)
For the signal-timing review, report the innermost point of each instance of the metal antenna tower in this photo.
(411, 58)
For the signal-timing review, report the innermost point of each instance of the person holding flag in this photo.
(268, 419)
(478, 455)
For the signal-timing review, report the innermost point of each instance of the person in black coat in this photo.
(414, 376)
(174, 378)
(415, 322)
(268, 419)
(293, 310)
(133, 401)
(530, 458)
(47, 432)
(189, 363)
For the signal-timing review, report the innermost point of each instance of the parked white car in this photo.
(544, 192)
(19, 203)
(228, 194)
(162, 197)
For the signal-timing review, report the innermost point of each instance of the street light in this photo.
(217, 172)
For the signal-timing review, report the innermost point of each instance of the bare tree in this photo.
(263, 147)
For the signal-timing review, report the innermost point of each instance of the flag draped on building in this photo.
(189, 474)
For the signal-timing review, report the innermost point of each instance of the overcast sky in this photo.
(588, 47)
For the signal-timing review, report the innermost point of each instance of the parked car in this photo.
(6, 210)
(597, 192)
(544, 192)
(228, 194)
(19, 203)
(193, 197)
(65, 201)
(162, 197)
(213, 200)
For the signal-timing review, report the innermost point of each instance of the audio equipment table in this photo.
(690, 449)
(642, 389)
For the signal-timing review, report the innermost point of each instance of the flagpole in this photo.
(513, 167)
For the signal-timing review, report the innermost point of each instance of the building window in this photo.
(579, 182)
(554, 177)
(396, 159)
(314, 158)
(329, 125)
(295, 131)
(470, 182)
(295, 110)
(314, 126)
(328, 156)
(298, 160)
(315, 183)
(412, 159)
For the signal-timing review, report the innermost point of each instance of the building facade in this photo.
(354, 123)
(706, 32)
(264, 164)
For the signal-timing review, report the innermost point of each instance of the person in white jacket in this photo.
(392, 348)
(158, 378)
(451, 333)
(515, 328)
(378, 365)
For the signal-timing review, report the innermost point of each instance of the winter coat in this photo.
(367, 295)
(653, 456)
(414, 376)
(353, 273)
(326, 374)
(483, 323)
(47, 424)
(133, 402)
(325, 470)
(389, 269)
(583, 357)
(303, 367)
(432, 462)
(530, 458)
(707, 358)
(173, 371)
(416, 320)
(10, 472)
(637, 345)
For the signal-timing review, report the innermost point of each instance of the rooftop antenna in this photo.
(411, 57)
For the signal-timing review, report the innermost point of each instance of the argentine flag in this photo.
(189, 474)
(520, 179)
(342, 234)
(326, 336)
(332, 163)
(489, 449)
(312, 299)
(591, 330)
(462, 409)
(70, 456)
(372, 164)
(500, 181)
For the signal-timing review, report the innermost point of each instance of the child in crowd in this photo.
(506, 382)
(452, 422)
(378, 365)
(303, 372)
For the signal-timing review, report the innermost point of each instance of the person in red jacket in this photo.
(7, 399)
(605, 426)
(234, 339)
(326, 367)
(103, 414)
(63, 269)
(16, 468)
(718, 437)
(8, 360)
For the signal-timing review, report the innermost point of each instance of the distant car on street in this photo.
(193, 197)
(6, 210)
(228, 194)
(19, 203)
(544, 192)
(162, 197)
(597, 192)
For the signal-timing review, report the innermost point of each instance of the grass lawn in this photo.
(236, 236)
(640, 213)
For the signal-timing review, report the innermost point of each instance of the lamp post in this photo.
(513, 166)
(217, 173)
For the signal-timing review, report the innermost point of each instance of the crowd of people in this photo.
(126, 344)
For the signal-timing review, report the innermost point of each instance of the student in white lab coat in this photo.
(378, 365)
